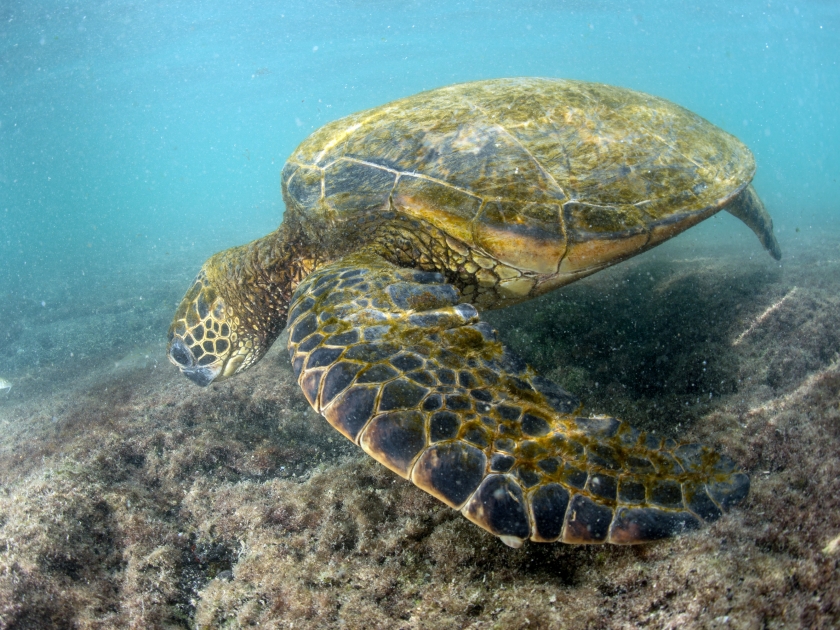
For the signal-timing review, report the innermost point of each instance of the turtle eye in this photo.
(179, 354)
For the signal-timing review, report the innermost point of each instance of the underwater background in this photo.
(138, 138)
(132, 132)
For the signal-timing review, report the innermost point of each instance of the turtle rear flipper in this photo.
(748, 207)
(395, 363)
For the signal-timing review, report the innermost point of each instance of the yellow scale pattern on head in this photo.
(199, 324)
(394, 362)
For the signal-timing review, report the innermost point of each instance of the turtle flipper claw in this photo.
(395, 363)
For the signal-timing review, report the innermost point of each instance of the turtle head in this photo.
(209, 339)
(237, 307)
(203, 341)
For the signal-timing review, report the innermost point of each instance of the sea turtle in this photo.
(403, 221)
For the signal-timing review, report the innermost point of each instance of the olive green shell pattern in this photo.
(540, 174)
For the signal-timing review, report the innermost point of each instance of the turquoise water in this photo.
(137, 138)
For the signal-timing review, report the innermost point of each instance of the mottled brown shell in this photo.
(544, 175)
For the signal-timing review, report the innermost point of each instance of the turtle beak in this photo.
(180, 355)
(201, 376)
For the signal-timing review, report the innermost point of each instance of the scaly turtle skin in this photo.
(405, 219)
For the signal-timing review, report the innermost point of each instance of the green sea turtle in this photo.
(403, 221)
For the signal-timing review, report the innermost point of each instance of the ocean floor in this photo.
(130, 498)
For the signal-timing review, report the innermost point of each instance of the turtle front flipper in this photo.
(394, 362)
